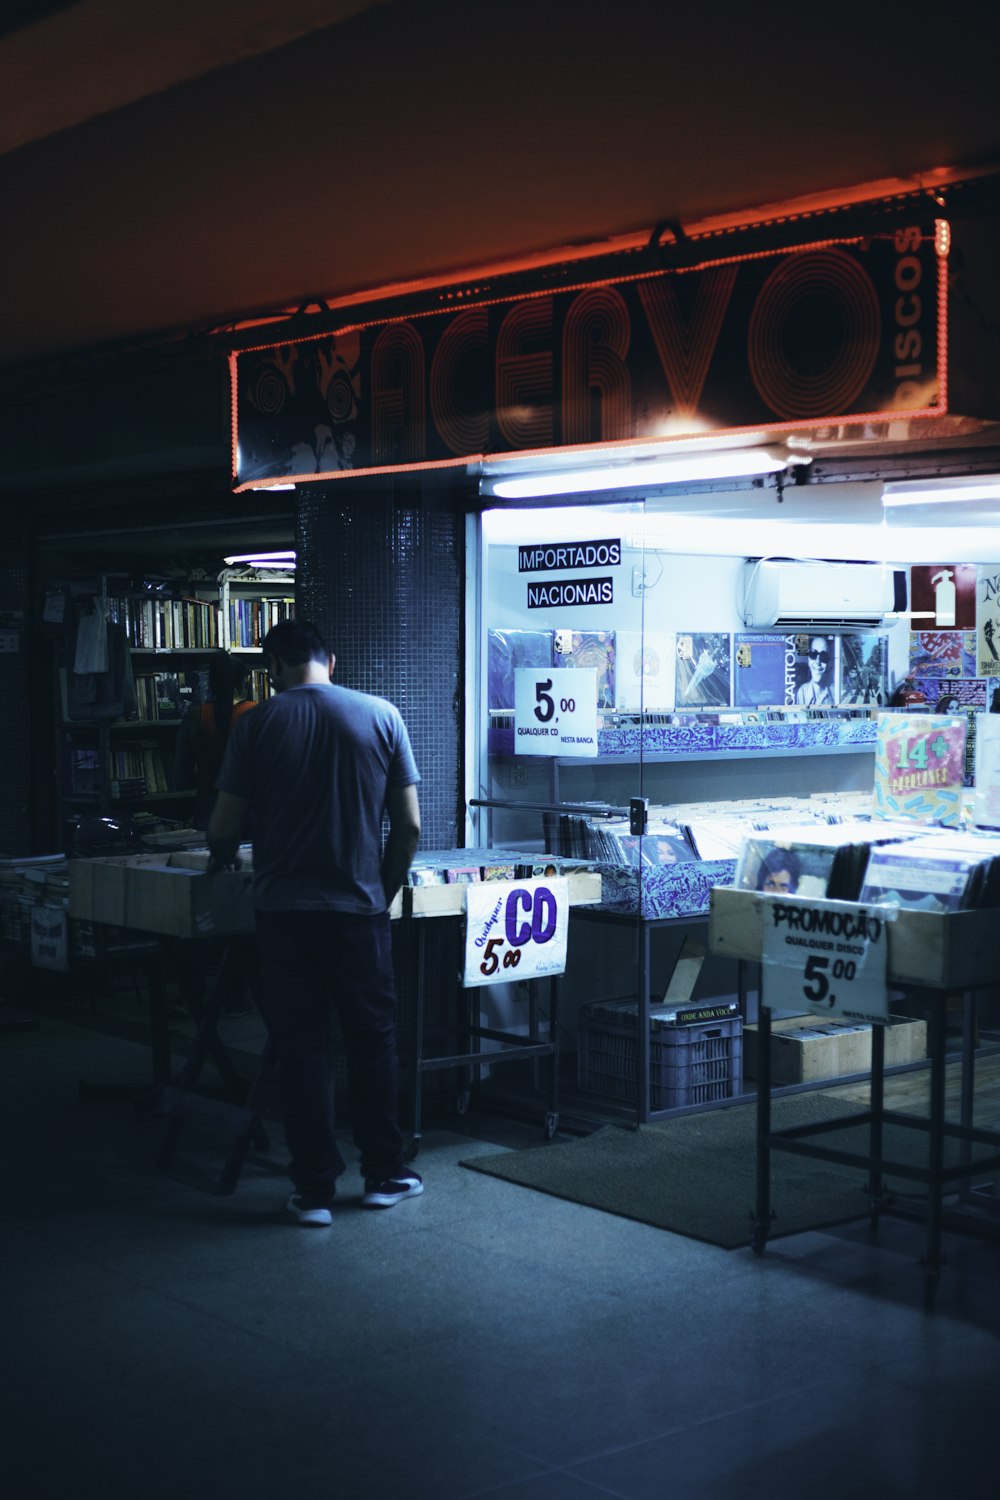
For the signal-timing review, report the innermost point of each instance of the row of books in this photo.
(139, 766)
(167, 624)
(168, 695)
(133, 770)
(656, 670)
(27, 882)
(251, 619)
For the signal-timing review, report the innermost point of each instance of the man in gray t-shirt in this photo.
(315, 768)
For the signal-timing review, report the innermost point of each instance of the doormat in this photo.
(696, 1174)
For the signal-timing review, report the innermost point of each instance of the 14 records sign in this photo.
(826, 957)
(515, 932)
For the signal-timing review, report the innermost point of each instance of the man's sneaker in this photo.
(391, 1190)
(312, 1215)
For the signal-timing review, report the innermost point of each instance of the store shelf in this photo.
(763, 752)
(664, 743)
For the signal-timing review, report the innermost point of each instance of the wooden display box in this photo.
(806, 1048)
(164, 893)
(449, 900)
(950, 950)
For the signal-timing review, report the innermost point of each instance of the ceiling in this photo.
(180, 164)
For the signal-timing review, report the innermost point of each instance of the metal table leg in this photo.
(642, 1011)
(935, 1184)
(876, 1104)
(418, 1036)
(762, 1217)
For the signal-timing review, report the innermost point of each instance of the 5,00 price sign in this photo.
(828, 957)
(515, 931)
(555, 711)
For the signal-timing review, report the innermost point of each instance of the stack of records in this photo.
(813, 861)
(470, 866)
(612, 843)
(935, 872)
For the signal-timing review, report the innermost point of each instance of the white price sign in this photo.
(827, 957)
(515, 931)
(555, 711)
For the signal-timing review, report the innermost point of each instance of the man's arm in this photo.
(403, 808)
(225, 827)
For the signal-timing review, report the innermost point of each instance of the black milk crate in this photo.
(695, 1053)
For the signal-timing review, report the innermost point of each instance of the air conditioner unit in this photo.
(796, 595)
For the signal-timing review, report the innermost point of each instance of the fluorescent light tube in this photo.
(262, 559)
(687, 469)
(942, 492)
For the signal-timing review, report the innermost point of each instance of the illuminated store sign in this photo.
(562, 557)
(838, 330)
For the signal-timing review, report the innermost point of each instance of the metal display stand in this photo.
(931, 955)
(427, 902)
(176, 1096)
(512, 1046)
(237, 1114)
(644, 927)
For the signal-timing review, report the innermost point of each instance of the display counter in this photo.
(930, 957)
(172, 896)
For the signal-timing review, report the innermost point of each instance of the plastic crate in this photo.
(693, 1062)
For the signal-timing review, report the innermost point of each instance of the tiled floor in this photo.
(483, 1340)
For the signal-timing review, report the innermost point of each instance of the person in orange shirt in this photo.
(204, 732)
(198, 753)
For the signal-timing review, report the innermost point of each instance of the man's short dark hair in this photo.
(295, 642)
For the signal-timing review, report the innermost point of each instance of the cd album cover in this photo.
(763, 670)
(703, 678)
(815, 670)
(644, 671)
(863, 670)
(508, 649)
(917, 876)
(784, 866)
(950, 695)
(943, 653)
(589, 648)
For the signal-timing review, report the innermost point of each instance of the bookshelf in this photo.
(251, 600)
(115, 762)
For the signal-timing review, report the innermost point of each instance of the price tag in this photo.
(555, 711)
(50, 938)
(827, 957)
(515, 931)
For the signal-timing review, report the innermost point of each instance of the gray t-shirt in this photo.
(316, 764)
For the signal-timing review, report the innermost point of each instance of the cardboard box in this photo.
(584, 888)
(804, 1048)
(158, 893)
(169, 893)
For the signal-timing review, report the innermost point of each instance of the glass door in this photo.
(562, 682)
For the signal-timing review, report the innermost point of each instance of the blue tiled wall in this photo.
(382, 575)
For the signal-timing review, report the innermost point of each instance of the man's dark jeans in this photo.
(308, 961)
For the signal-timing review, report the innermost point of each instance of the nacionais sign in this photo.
(827, 332)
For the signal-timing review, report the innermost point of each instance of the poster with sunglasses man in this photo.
(814, 670)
